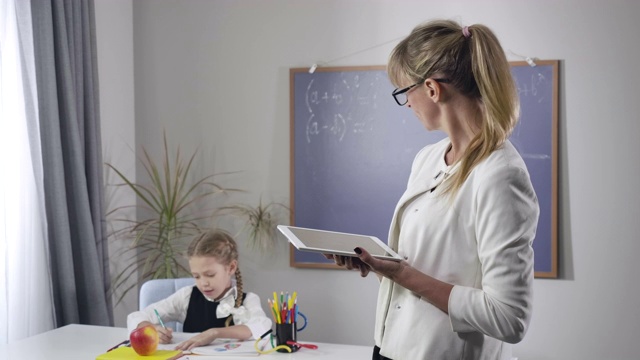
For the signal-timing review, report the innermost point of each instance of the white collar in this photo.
(227, 307)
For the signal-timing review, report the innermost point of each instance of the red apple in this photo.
(144, 340)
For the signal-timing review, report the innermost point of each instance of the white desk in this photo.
(85, 342)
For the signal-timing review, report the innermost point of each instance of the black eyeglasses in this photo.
(400, 95)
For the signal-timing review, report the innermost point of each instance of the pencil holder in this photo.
(287, 332)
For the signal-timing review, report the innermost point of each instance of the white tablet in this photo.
(337, 243)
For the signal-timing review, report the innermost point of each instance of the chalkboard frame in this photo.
(552, 123)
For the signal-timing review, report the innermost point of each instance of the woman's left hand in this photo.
(400, 272)
(386, 268)
(202, 339)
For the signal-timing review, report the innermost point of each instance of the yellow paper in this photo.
(125, 352)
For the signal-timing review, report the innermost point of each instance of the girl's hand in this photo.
(165, 335)
(202, 339)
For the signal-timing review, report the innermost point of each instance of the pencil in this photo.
(275, 300)
(159, 318)
(273, 311)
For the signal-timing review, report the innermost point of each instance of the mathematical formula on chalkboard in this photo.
(352, 149)
(346, 104)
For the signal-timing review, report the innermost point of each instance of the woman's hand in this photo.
(387, 268)
(428, 288)
(202, 339)
(350, 262)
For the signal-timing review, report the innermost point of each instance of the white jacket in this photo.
(480, 243)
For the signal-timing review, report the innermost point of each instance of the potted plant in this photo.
(171, 209)
(259, 223)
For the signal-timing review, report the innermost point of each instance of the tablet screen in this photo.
(330, 242)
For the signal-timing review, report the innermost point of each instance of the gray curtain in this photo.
(66, 75)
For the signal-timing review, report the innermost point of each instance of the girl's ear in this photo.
(233, 266)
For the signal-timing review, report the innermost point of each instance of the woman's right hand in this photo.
(350, 263)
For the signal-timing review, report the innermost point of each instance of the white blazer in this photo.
(480, 243)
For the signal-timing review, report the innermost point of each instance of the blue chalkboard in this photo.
(352, 147)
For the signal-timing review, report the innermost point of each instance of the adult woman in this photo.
(467, 219)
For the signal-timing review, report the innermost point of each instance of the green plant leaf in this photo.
(171, 209)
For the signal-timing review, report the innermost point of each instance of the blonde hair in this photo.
(220, 245)
(475, 65)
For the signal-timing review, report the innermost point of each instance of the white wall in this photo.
(114, 32)
(215, 74)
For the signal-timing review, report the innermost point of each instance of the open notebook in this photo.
(219, 347)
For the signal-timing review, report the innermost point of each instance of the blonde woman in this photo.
(467, 219)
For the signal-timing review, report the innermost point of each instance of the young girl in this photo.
(214, 307)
